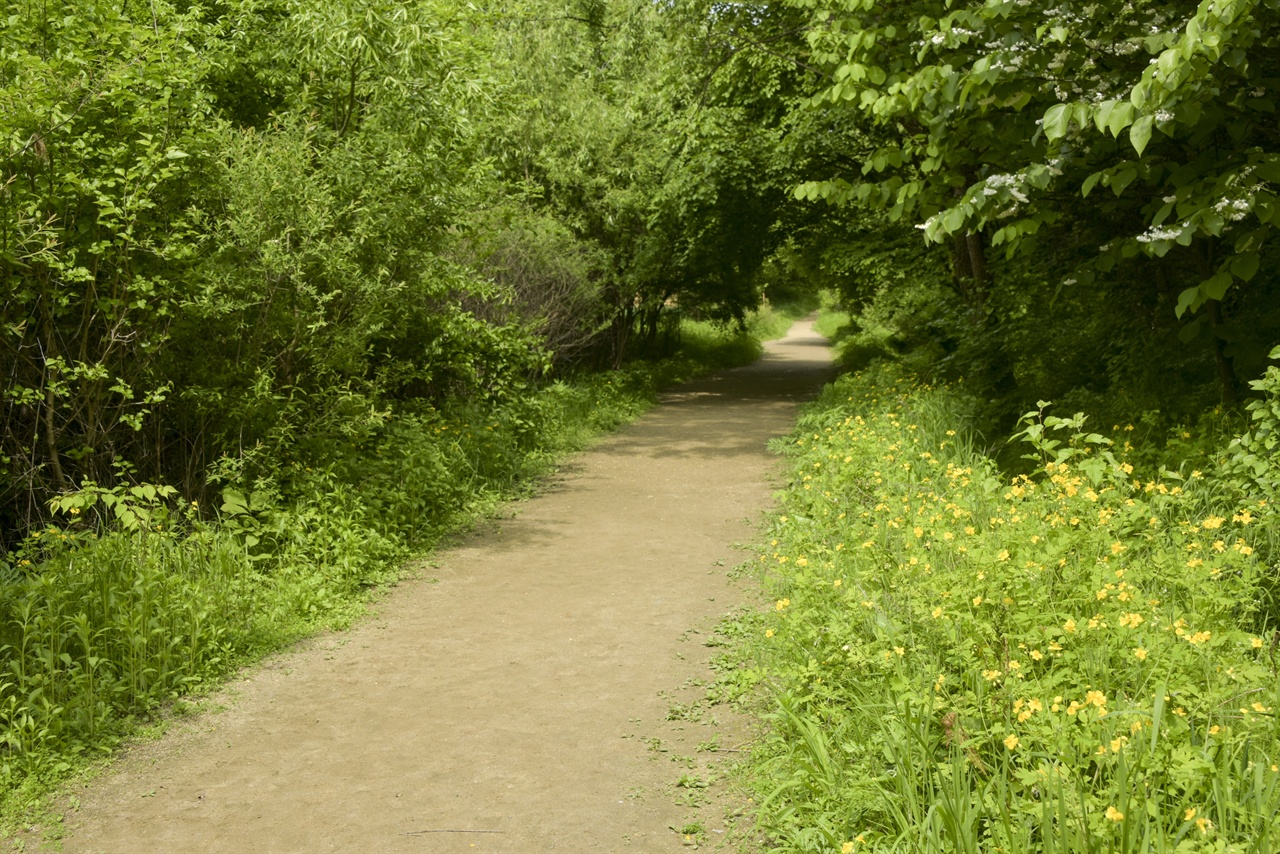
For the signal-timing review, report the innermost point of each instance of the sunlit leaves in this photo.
(1123, 98)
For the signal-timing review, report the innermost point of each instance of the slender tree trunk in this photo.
(969, 263)
(1226, 372)
(978, 262)
(50, 353)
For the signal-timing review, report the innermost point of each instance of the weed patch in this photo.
(1075, 660)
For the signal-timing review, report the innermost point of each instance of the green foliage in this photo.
(956, 75)
(133, 599)
(244, 232)
(1078, 659)
(1118, 161)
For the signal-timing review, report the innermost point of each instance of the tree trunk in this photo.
(1226, 372)
(969, 263)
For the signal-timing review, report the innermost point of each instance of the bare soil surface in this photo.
(538, 690)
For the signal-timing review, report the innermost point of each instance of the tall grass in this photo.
(1078, 660)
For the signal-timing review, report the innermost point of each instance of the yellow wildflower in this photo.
(1114, 814)
(1140, 654)
(1011, 742)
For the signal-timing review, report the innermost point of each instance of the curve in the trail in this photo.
(528, 701)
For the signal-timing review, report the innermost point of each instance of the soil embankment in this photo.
(529, 700)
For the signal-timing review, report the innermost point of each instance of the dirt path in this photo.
(529, 701)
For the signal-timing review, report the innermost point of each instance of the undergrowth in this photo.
(139, 598)
(1082, 659)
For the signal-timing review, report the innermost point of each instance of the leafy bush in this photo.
(135, 599)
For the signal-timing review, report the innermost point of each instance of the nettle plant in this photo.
(1071, 660)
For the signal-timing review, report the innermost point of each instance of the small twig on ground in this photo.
(420, 832)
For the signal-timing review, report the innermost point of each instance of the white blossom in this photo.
(1233, 210)
(1161, 233)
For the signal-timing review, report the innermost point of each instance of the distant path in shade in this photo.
(520, 703)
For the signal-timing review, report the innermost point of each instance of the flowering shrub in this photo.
(1072, 660)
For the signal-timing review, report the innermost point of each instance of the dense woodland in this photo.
(284, 285)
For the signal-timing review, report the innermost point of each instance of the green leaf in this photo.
(1245, 266)
(1102, 114)
(1140, 134)
(234, 502)
(1215, 287)
(1187, 299)
(1055, 121)
(1090, 183)
(1122, 179)
(1120, 117)
(953, 219)
(1268, 170)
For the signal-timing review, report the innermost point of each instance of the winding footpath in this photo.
(535, 691)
